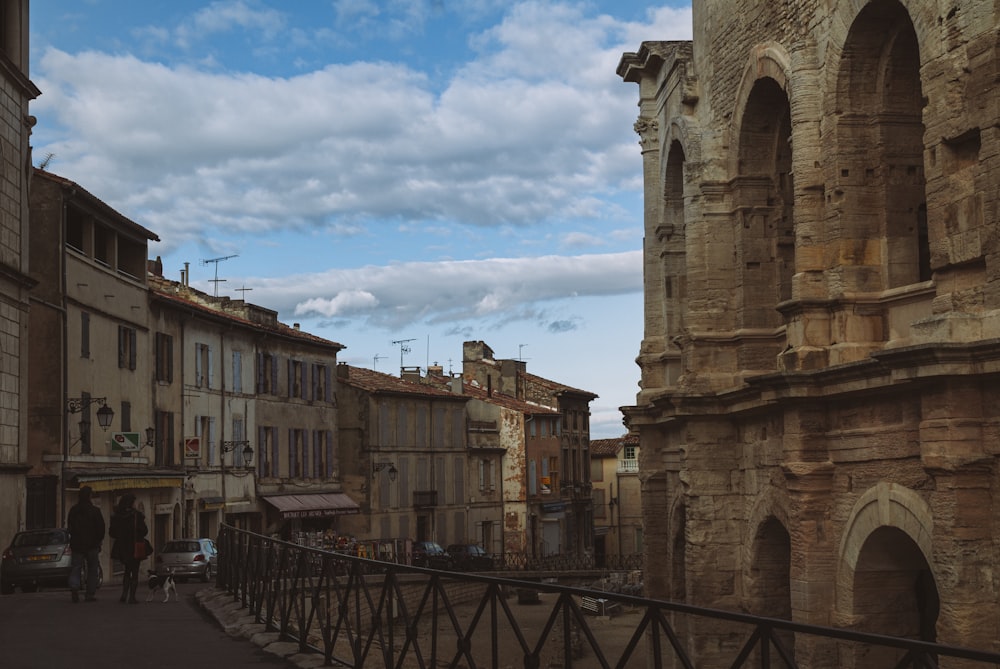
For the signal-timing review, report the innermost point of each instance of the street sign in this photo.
(192, 447)
(125, 442)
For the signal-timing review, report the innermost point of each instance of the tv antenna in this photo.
(243, 292)
(403, 348)
(519, 347)
(376, 359)
(216, 261)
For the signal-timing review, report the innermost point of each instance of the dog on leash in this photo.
(165, 583)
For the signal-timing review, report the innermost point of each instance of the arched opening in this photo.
(894, 594)
(764, 193)
(880, 162)
(673, 258)
(768, 587)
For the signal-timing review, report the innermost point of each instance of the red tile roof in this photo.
(178, 300)
(609, 448)
(374, 382)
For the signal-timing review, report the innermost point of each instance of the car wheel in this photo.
(207, 576)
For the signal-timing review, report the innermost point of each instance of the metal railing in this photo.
(365, 613)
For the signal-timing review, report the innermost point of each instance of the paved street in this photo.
(46, 630)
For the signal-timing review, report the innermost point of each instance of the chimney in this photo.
(343, 371)
(410, 374)
(456, 385)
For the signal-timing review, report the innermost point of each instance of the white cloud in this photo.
(450, 292)
(507, 141)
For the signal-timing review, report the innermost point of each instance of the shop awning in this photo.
(105, 482)
(316, 505)
(213, 503)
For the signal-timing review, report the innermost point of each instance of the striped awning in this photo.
(316, 505)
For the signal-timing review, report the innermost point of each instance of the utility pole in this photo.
(216, 262)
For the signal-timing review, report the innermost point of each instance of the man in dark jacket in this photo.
(86, 534)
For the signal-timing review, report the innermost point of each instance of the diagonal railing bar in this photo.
(786, 656)
(751, 643)
(344, 607)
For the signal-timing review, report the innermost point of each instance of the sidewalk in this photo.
(205, 629)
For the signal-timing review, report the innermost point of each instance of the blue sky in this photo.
(377, 171)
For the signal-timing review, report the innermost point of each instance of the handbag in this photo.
(143, 549)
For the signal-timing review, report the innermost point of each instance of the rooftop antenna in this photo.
(243, 292)
(376, 359)
(403, 348)
(519, 347)
(216, 261)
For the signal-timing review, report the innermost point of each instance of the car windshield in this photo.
(45, 538)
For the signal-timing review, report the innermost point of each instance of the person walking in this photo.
(128, 526)
(85, 523)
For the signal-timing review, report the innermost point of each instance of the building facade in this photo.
(557, 455)
(404, 456)
(614, 473)
(246, 405)
(90, 355)
(16, 486)
(822, 311)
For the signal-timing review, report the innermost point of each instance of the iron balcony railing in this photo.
(364, 613)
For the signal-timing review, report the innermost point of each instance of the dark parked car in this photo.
(186, 558)
(430, 554)
(470, 557)
(38, 558)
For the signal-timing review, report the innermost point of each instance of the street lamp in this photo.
(104, 415)
(379, 466)
(247, 452)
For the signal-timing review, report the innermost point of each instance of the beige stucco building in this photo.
(246, 406)
(617, 494)
(15, 283)
(822, 318)
(90, 357)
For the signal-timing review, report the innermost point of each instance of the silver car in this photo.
(187, 558)
(38, 558)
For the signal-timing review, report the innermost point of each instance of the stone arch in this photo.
(678, 549)
(924, 16)
(878, 160)
(763, 190)
(885, 581)
(766, 571)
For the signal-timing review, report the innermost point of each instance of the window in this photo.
(164, 438)
(629, 453)
(205, 431)
(487, 479)
(126, 417)
(554, 473)
(84, 335)
(320, 383)
(164, 357)
(268, 465)
(237, 371)
(296, 379)
(298, 456)
(532, 478)
(239, 434)
(203, 365)
(126, 347)
(267, 374)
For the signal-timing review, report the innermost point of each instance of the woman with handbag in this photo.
(128, 529)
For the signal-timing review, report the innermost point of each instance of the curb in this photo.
(236, 621)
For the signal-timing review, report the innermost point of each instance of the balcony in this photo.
(628, 466)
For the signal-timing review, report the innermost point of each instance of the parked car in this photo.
(470, 557)
(430, 554)
(37, 558)
(187, 558)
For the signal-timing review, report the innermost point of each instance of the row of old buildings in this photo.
(211, 410)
